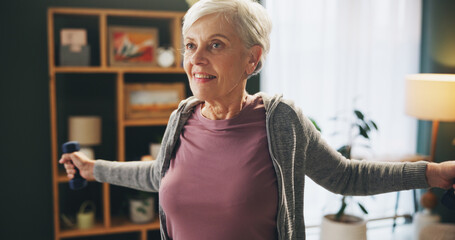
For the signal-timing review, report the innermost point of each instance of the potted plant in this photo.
(142, 207)
(342, 225)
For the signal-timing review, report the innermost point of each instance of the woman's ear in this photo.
(255, 53)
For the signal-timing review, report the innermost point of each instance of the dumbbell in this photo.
(448, 199)
(78, 182)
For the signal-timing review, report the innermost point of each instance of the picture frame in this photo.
(133, 46)
(152, 100)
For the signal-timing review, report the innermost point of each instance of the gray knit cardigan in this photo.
(296, 149)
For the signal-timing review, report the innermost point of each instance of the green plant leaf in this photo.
(359, 114)
(341, 211)
(141, 210)
(345, 151)
(363, 208)
(374, 124)
(363, 132)
(315, 124)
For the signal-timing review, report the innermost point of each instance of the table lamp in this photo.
(431, 97)
(87, 131)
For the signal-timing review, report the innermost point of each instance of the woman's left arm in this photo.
(441, 175)
(324, 165)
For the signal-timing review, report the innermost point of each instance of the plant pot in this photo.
(353, 228)
(142, 210)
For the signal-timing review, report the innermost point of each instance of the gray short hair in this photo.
(250, 18)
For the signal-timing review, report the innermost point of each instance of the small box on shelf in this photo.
(74, 50)
(74, 56)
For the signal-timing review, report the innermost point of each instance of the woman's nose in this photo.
(199, 57)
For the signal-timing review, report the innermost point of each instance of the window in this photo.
(324, 54)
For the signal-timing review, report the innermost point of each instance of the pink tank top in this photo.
(221, 183)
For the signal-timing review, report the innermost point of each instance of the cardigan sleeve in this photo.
(145, 176)
(300, 142)
(355, 177)
(136, 174)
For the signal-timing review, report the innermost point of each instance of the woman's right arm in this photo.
(141, 175)
(136, 174)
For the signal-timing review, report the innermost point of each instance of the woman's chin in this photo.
(203, 97)
(201, 92)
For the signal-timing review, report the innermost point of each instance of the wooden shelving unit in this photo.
(108, 224)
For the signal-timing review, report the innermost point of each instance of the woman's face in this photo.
(216, 60)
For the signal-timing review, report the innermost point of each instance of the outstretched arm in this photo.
(441, 175)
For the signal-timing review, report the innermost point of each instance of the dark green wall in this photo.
(438, 56)
(26, 193)
(26, 207)
(26, 196)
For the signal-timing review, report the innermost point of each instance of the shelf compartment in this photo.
(91, 26)
(143, 137)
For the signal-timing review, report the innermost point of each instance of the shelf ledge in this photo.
(146, 122)
(96, 69)
(119, 225)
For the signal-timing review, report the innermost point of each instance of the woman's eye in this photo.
(216, 45)
(189, 46)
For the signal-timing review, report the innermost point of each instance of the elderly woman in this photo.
(232, 165)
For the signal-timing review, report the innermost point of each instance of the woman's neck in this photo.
(225, 109)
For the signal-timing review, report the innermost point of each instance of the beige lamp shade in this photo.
(85, 129)
(431, 96)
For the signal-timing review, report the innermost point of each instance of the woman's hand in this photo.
(441, 175)
(81, 161)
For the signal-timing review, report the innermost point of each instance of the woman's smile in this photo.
(201, 77)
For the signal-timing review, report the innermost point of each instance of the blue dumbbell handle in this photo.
(448, 199)
(78, 182)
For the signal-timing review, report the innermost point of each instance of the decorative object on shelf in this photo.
(87, 131)
(166, 57)
(152, 100)
(426, 217)
(86, 215)
(142, 208)
(132, 46)
(74, 50)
